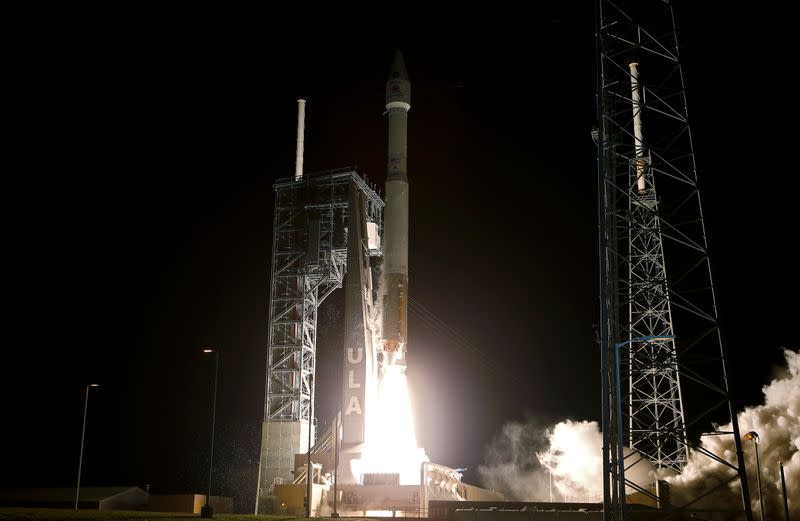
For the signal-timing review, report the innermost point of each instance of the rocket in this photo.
(395, 221)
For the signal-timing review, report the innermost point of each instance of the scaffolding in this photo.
(309, 262)
(665, 385)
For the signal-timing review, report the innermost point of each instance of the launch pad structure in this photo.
(312, 215)
(327, 236)
(332, 230)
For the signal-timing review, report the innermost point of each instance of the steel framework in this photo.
(309, 261)
(655, 409)
(664, 388)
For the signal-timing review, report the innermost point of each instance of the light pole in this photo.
(785, 499)
(753, 435)
(83, 435)
(207, 511)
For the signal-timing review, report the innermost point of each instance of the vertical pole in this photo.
(423, 491)
(603, 264)
(758, 478)
(80, 458)
(748, 510)
(336, 463)
(301, 128)
(785, 498)
(620, 438)
(213, 420)
(309, 488)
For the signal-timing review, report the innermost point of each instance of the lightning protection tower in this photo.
(664, 374)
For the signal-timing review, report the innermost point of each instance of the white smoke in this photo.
(512, 466)
(525, 457)
(562, 463)
(573, 460)
(777, 423)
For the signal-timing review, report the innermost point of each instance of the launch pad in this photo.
(380, 494)
(327, 236)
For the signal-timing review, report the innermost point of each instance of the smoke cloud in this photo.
(777, 423)
(512, 466)
(525, 458)
(561, 463)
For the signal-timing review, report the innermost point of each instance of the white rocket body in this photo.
(395, 219)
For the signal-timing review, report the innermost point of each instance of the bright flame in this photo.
(391, 445)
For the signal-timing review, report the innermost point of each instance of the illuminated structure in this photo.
(327, 234)
(663, 388)
(309, 262)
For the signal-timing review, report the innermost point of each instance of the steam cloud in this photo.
(512, 466)
(523, 458)
(777, 423)
(528, 463)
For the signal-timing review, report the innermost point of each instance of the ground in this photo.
(56, 514)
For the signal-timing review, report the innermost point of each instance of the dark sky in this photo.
(138, 215)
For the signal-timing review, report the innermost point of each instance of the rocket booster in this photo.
(395, 219)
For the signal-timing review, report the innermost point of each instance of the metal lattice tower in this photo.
(664, 388)
(309, 261)
(655, 411)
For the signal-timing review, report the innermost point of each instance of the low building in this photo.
(98, 498)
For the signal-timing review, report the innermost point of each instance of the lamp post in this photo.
(83, 435)
(207, 511)
(785, 499)
(753, 435)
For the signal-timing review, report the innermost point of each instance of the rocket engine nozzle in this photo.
(395, 359)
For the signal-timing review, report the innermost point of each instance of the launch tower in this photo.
(309, 262)
(664, 378)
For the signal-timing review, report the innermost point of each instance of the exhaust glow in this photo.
(391, 444)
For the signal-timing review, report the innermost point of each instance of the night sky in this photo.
(138, 215)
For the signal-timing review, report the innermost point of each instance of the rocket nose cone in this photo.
(398, 71)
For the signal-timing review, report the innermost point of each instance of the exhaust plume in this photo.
(390, 444)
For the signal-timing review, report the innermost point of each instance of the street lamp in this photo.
(83, 434)
(207, 511)
(753, 435)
